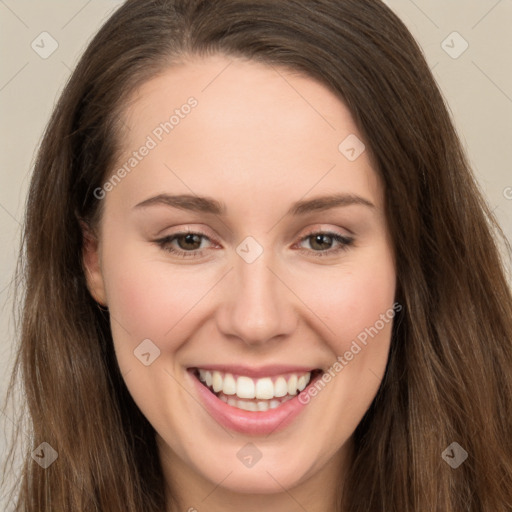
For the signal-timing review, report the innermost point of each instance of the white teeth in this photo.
(245, 387)
(247, 406)
(264, 388)
(262, 406)
(280, 387)
(253, 405)
(217, 381)
(229, 387)
(301, 383)
(292, 385)
(274, 404)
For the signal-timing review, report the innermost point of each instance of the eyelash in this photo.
(345, 241)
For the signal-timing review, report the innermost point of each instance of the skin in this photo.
(259, 139)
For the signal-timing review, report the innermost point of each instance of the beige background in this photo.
(477, 86)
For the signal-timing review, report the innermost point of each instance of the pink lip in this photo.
(248, 422)
(264, 371)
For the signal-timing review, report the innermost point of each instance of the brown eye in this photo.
(185, 245)
(189, 242)
(321, 243)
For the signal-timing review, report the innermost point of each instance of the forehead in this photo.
(220, 126)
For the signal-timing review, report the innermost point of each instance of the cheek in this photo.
(146, 298)
(351, 299)
(151, 300)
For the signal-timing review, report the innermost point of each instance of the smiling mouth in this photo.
(254, 394)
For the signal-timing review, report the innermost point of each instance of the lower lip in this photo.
(248, 422)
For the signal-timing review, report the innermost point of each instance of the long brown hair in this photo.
(449, 372)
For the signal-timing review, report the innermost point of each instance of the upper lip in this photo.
(262, 371)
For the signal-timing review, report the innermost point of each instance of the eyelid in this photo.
(326, 229)
(186, 230)
(165, 241)
(332, 234)
(344, 242)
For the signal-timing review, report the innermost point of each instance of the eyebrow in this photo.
(210, 205)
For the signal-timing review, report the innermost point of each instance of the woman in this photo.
(259, 273)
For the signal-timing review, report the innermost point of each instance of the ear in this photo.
(92, 264)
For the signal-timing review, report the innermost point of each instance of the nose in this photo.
(258, 307)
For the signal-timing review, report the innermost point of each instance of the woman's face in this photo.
(288, 269)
